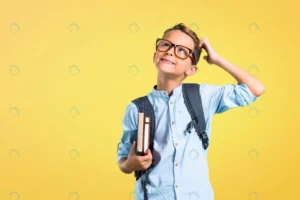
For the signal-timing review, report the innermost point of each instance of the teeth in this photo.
(167, 61)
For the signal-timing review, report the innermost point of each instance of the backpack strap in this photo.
(192, 100)
(144, 105)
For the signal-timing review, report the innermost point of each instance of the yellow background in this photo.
(70, 68)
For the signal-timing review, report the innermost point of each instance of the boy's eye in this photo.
(183, 51)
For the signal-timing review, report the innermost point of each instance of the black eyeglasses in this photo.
(181, 52)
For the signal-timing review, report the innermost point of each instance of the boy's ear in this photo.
(192, 70)
(154, 56)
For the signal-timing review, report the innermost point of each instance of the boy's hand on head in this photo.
(135, 162)
(212, 57)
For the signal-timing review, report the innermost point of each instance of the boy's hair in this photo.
(182, 27)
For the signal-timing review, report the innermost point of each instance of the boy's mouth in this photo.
(166, 61)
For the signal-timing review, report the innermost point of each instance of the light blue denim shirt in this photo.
(181, 171)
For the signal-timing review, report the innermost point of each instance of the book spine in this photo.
(147, 134)
(140, 134)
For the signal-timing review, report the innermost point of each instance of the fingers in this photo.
(147, 157)
(139, 162)
(203, 43)
(147, 165)
(145, 161)
(133, 147)
(200, 43)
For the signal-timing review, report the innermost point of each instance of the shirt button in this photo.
(165, 93)
(176, 144)
(173, 123)
(171, 102)
(176, 186)
(176, 164)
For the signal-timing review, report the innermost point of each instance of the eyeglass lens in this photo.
(180, 51)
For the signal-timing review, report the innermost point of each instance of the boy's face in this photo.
(180, 67)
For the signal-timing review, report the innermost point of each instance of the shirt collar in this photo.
(164, 93)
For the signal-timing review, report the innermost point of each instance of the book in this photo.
(143, 135)
(140, 135)
(146, 134)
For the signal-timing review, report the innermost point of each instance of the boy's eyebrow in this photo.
(179, 44)
(186, 46)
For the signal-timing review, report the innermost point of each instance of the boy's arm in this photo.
(222, 98)
(129, 126)
(241, 76)
(124, 168)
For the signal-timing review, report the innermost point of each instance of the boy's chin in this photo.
(166, 68)
(168, 73)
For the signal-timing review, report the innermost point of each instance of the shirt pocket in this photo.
(181, 108)
(182, 115)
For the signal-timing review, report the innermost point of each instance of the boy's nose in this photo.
(169, 53)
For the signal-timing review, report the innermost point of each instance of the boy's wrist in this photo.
(127, 166)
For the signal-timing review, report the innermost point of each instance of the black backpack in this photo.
(192, 100)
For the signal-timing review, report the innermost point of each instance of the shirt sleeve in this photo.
(129, 126)
(225, 97)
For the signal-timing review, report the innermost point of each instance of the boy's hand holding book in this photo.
(135, 162)
(140, 156)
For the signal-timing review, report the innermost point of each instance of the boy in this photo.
(181, 170)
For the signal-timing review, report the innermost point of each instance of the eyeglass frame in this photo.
(175, 46)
